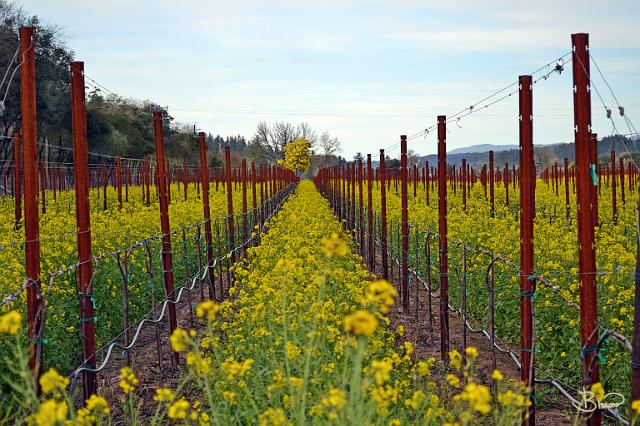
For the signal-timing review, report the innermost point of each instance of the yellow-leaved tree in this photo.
(297, 155)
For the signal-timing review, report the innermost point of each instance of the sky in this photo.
(365, 71)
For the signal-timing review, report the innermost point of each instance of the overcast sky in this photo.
(366, 71)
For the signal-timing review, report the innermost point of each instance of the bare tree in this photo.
(412, 158)
(282, 134)
(545, 157)
(328, 147)
(305, 131)
(268, 142)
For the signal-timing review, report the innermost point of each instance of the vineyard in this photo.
(152, 291)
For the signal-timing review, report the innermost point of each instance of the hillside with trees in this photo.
(117, 125)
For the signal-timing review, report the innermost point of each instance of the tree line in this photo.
(117, 125)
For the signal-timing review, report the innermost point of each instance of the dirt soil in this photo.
(151, 358)
(425, 336)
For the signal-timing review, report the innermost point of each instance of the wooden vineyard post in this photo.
(343, 193)
(527, 209)
(622, 194)
(204, 173)
(614, 188)
(505, 180)
(383, 217)
(230, 218)
(370, 211)
(426, 182)
(464, 184)
(81, 182)
(405, 223)
(491, 184)
(352, 179)
(31, 219)
(262, 194)
(584, 183)
(167, 261)
(245, 222)
(118, 172)
(185, 179)
(416, 180)
(127, 182)
(254, 194)
(360, 212)
(566, 188)
(442, 229)
(17, 180)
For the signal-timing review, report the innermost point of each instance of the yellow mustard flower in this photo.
(52, 381)
(180, 340)
(128, 380)
(361, 323)
(10, 322)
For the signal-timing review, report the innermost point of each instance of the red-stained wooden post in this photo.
(83, 221)
(118, 172)
(254, 193)
(483, 179)
(245, 222)
(491, 183)
(185, 178)
(464, 184)
(370, 211)
(31, 219)
(415, 180)
(426, 181)
(566, 187)
(383, 217)
(262, 194)
(556, 177)
(349, 188)
(614, 197)
(17, 180)
(586, 247)
(353, 199)
(167, 261)
(341, 188)
(128, 183)
(360, 210)
(505, 180)
(442, 229)
(622, 194)
(527, 209)
(204, 173)
(405, 222)
(230, 218)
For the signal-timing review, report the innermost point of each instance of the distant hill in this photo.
(544, 154)
(485, 147)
